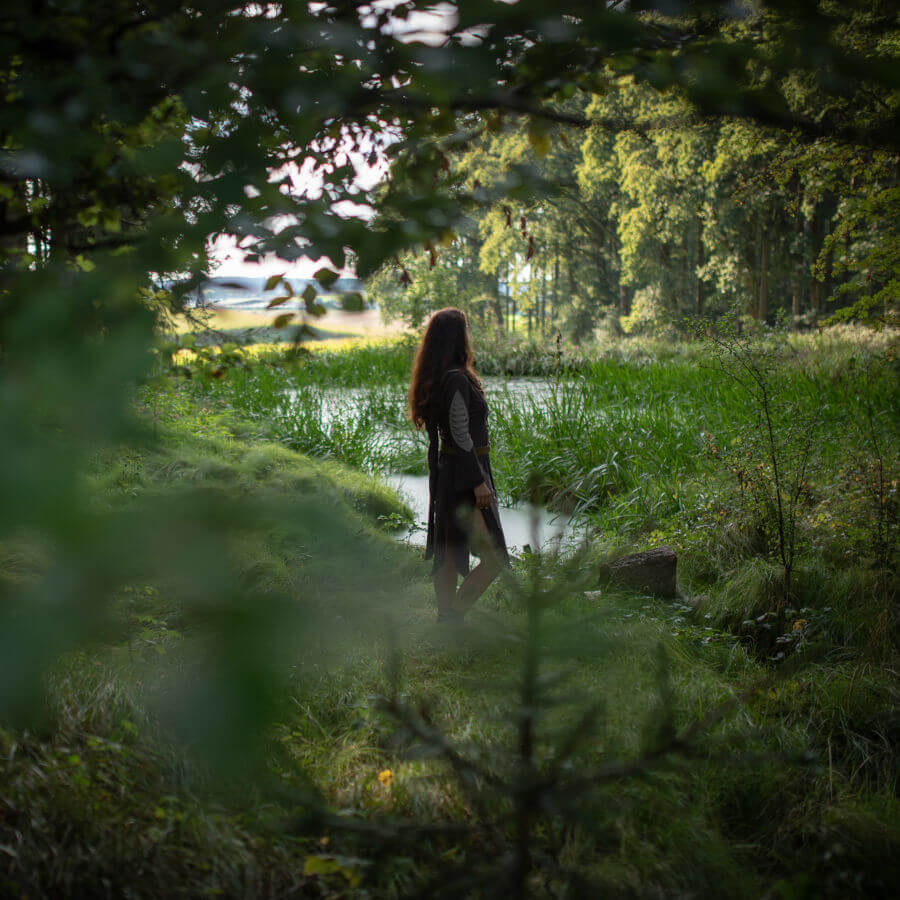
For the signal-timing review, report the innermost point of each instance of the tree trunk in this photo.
(795, 303)
(555, 297)
(496, 305)
(819, 286)
(624, 301)
(698, 286)
(570, 270)
(540, 300)
(762, 310)
(815, 298)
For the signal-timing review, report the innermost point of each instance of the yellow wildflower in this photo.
(386, 777)
(798, 625)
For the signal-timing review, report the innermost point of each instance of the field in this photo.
(573, 737)
(256, 327)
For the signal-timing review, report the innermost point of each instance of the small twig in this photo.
(436, 739)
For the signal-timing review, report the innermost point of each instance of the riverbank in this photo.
(792, 789)
(652, 443)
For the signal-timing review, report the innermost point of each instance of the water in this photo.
(391, 443)
(349, 403)
(522, 525)
(534, 526)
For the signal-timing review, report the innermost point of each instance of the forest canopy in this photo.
(652, 203)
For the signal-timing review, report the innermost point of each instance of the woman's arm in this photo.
(457, 392)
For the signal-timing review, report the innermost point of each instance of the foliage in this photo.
(422, 828)
(773, 458)
(425, 283)
(656, 200)
(619, 438)
(132, 134)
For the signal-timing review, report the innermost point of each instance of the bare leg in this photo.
(477, 581)
(445, 584)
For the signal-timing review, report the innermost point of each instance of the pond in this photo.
(376, 416)
(348, 404)
(535, 526)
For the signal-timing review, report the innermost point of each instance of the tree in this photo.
(132, 132)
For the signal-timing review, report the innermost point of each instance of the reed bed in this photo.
(619, 436)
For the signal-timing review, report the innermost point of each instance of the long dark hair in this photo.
(445, 345)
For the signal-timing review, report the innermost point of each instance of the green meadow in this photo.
(739, 742)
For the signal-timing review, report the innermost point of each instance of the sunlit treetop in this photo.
(157, 124)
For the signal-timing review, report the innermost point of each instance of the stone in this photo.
(652, 571)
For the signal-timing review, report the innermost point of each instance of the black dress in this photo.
(458, 461)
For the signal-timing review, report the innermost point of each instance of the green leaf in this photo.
(321, 865)
(272, 281)
(539, 138)
(88, 217)
(309, 294)
(326, 277)
(324, 866)
(283, 320)
(112, 221)
(278, 301)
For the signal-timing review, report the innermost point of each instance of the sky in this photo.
(228, 258)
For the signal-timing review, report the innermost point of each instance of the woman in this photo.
(446, 398)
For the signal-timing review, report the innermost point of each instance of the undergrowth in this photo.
(791, 794)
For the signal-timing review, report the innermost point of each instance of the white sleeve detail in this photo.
(459, 423)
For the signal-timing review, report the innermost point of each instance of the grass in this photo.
(737, 819)
(644, 441)
(793, 794)
(647, 442)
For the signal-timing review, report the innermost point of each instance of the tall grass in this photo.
(97, 803)
(332, 414)
(623, 434)
(644, 442)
